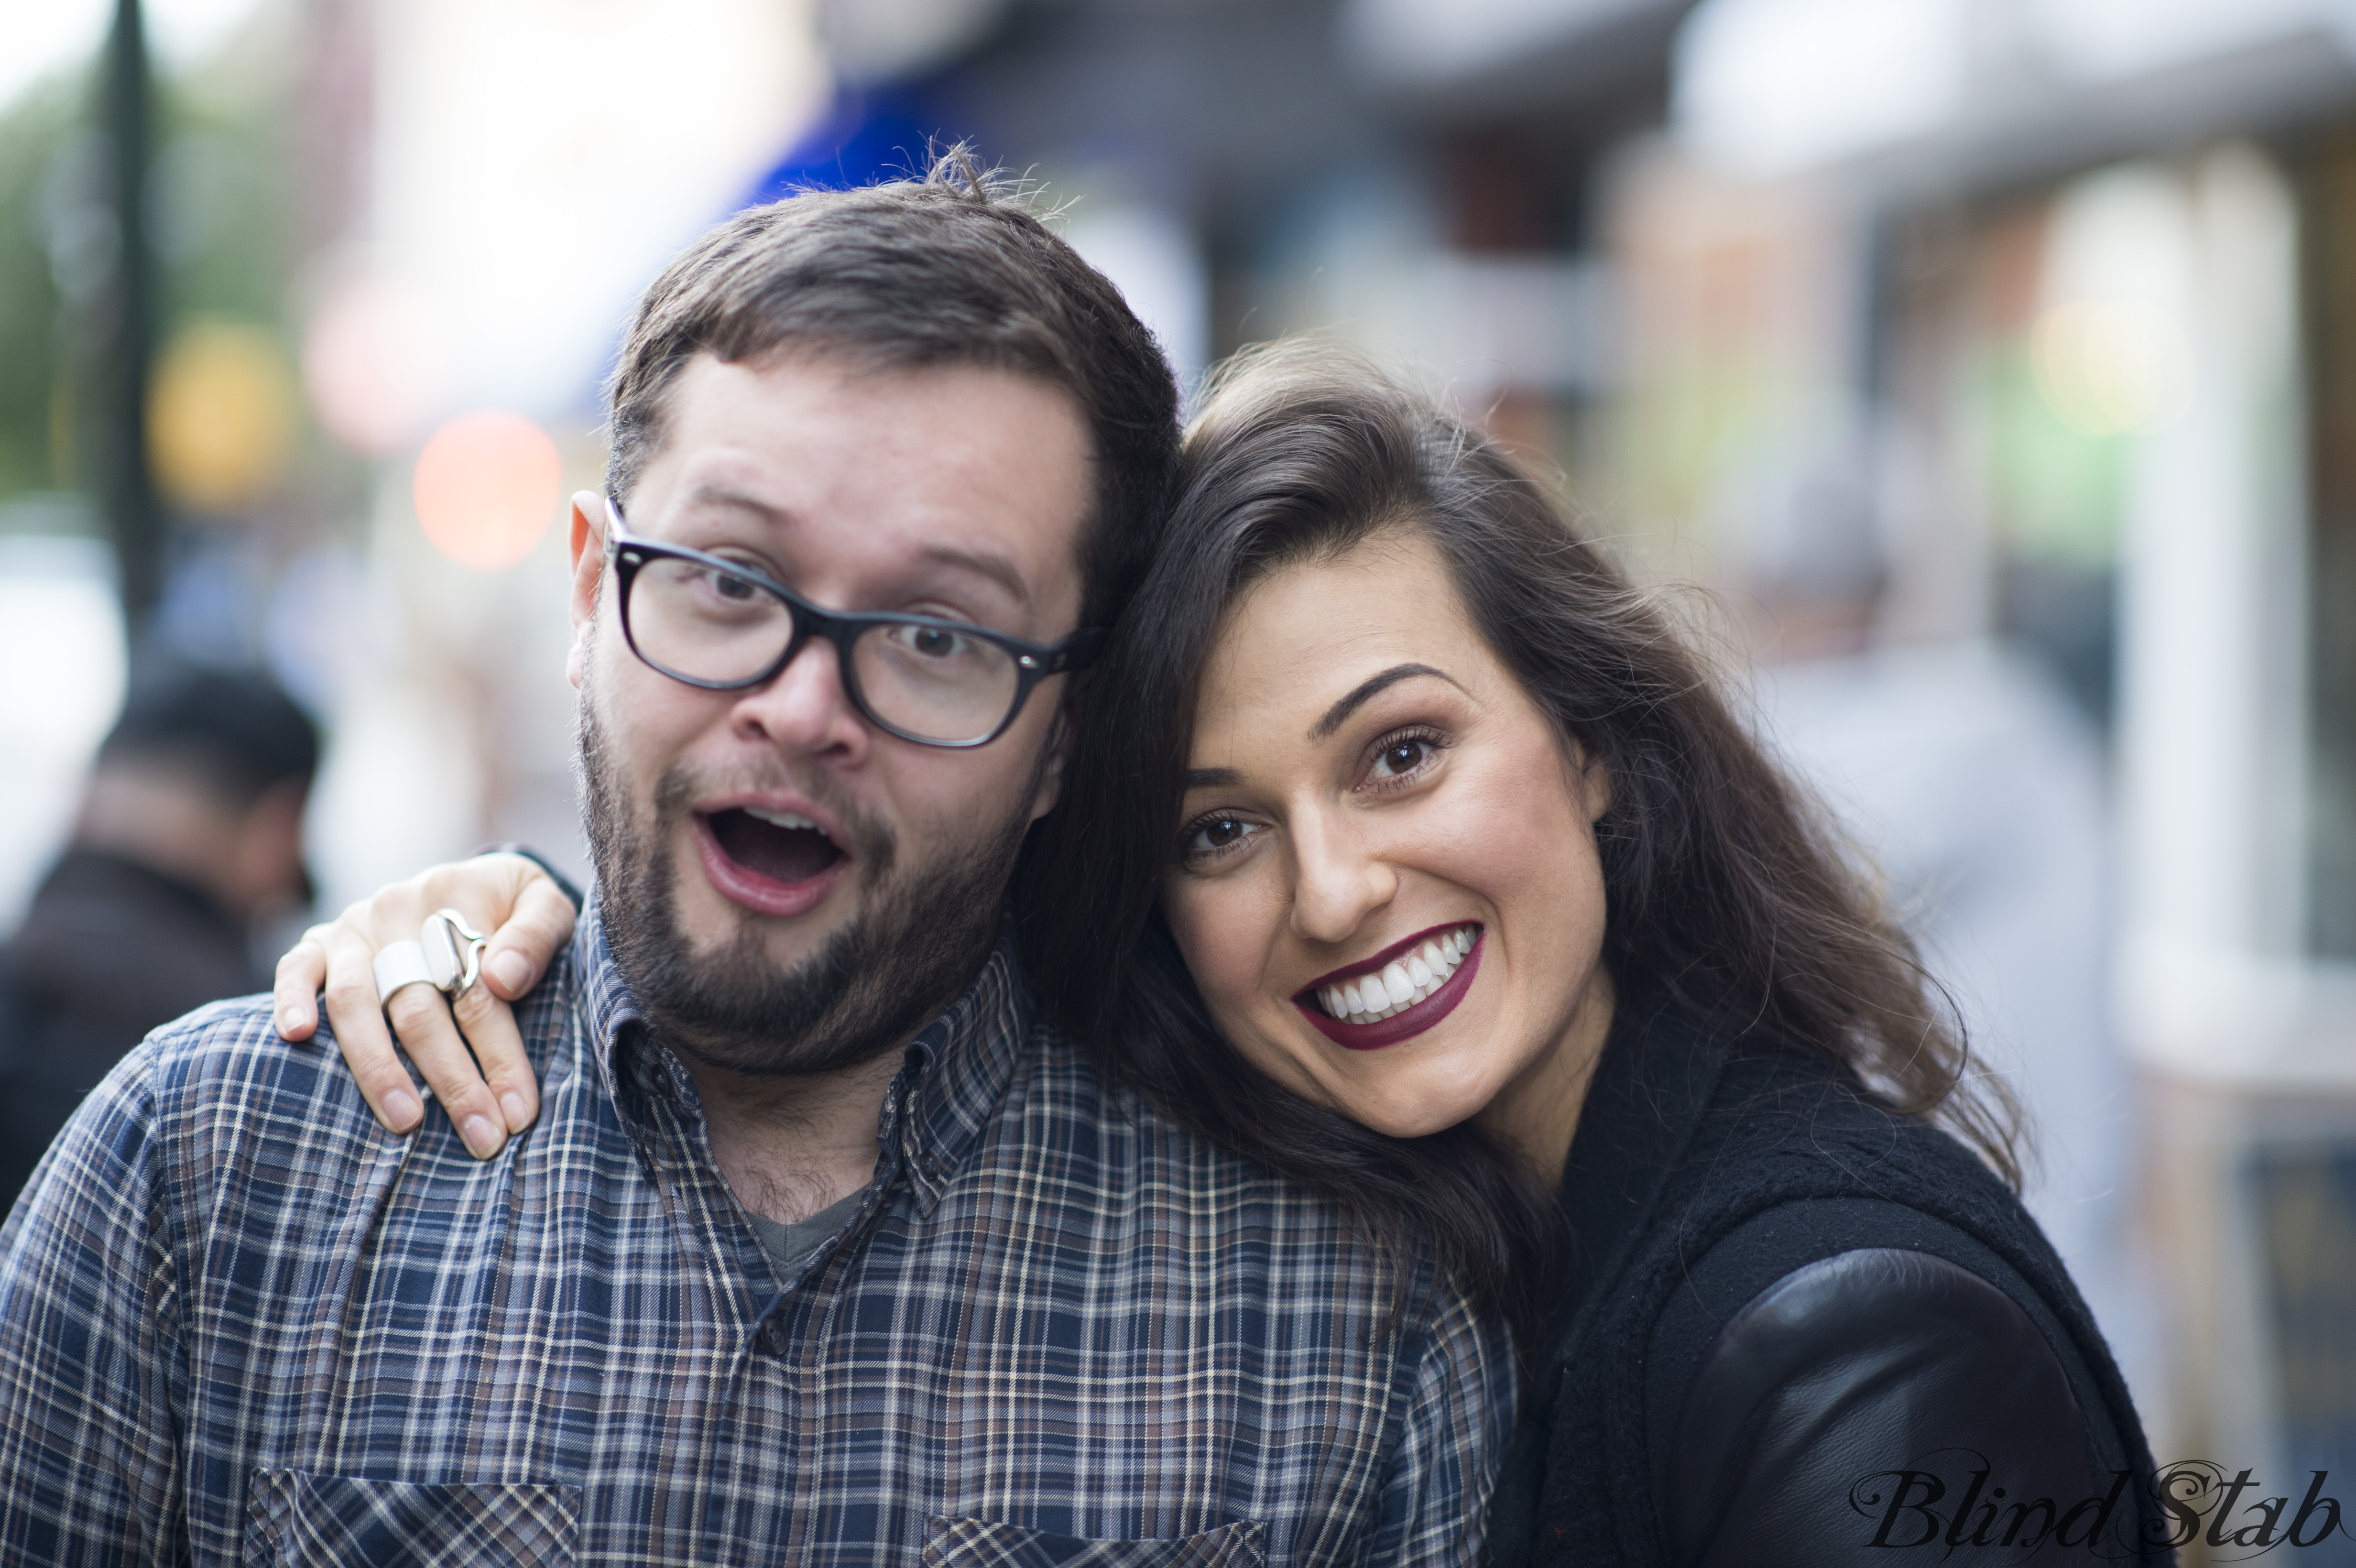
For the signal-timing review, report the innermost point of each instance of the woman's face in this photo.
(1387, 884)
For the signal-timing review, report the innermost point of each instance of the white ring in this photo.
(401, 964)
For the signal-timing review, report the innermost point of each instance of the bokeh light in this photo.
(221, 416)
(487, 485)
(2106, 369)
(374, 365)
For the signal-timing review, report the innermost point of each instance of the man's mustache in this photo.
(872, 846)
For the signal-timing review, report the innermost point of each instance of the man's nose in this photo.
(805, 709)
(1337, 882)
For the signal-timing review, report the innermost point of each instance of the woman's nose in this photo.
(1337, 882)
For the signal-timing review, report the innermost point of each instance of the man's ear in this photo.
(588, 576)
(1051, 775)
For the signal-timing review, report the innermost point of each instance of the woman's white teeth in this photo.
(1403, 982)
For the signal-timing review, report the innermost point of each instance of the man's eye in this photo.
(931, 642)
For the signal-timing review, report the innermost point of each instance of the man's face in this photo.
(789, 888)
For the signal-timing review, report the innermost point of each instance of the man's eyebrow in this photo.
(988, 563)
(735, 500)
(1366, 689)
(1209, 778)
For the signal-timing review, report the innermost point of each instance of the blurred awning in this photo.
(1910, 95)
(1500, 55)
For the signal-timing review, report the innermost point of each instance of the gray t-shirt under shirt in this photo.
(789, 1245)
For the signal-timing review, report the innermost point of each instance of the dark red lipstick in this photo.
(1399, 1026)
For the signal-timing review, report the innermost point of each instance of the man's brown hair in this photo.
(953, 269)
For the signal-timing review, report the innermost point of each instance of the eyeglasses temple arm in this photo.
(1076, 651)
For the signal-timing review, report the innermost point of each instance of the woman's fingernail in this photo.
(512, 1104)
(511, 971)
(482, 1138)
(400, 1107)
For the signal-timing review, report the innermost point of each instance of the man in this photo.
(189, 833)
(881, 461)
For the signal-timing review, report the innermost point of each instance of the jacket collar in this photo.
(1660, 1063)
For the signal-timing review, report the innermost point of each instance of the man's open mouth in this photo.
(777, 845)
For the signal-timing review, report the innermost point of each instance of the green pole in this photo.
(128, 486)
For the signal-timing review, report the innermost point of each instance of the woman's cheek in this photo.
(1225, 931)
(1512, 835)
(1211, 939)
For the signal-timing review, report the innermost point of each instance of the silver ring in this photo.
(447, 956)
(455, 950)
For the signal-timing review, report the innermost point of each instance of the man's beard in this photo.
(918, 942)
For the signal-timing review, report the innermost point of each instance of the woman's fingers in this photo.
(429, 1035)
(481, 1075)
(489, 1026)
(534, 933)
(361, 1033)
(302, 970)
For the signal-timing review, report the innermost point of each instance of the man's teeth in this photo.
(784, 819)
(1403, 982)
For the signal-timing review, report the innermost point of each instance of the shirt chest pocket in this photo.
(296, 1518)
(982, 1543)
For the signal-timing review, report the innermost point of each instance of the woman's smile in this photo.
(1398, 993)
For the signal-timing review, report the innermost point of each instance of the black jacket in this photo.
(108, 951)
(1795, 1328)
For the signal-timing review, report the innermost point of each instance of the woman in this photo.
(1412, 854)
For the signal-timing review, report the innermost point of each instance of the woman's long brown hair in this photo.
(1719, 875)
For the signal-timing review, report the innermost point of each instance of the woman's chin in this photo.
(1410, 1115)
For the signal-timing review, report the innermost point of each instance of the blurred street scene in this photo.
(1979, 375)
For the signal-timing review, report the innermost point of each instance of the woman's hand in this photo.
(489, 1093)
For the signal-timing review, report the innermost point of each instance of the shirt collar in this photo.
(955, 1069)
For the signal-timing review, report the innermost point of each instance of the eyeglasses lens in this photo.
(930, 683)
(690, 620)
(934, 683)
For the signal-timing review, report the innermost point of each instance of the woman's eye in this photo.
(1401, 758)
(1215, 835)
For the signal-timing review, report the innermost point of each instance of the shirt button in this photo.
(772, 1340)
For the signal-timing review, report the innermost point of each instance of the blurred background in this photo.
(1988, 367)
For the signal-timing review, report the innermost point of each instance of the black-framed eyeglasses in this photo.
(721, 625)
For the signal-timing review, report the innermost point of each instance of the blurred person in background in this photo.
(1973, 786)
(189, 841)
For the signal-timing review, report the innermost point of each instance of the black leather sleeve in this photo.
(1882, 1406)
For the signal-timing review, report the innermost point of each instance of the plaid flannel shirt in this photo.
(241, 1322)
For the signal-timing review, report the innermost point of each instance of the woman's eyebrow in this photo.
(1367, 690)
(1209, 778)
